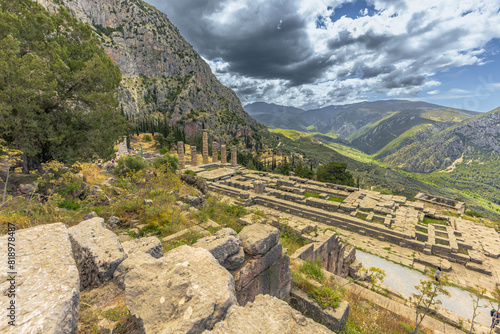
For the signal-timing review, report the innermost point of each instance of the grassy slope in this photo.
(368, 127)
(400, 140)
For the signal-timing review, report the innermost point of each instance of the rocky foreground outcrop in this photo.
(47, 285)
(186, 291)
(225, 246)
(266, 314)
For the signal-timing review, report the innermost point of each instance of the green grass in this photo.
(311, 194)
(294, 135)
(463, 251)
(420, 229)
(441, 234)
(428, 221)
(353, 153)
(336, 199)
(290, 240)
(313, 270)
(361, 216)
(399, 141)
(187, 239)
(326, 297)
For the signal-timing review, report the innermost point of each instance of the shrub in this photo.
(326, 297)
(163, 150)
(166, 162)
(128, 164)
(69, 204)
(313, 270)
(190, 172)
(147, 138)
(473, 214)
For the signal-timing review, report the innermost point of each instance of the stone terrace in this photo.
(386, 218)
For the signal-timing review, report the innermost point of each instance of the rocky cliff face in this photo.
(161, 71)
(431, 151)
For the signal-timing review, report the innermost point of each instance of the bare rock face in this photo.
(150, 245)
(259, 238)
(234, 261)
(225, 247)
(266, 315)
(159, 68)
(186, 291)
(96, 250)
(47, 284)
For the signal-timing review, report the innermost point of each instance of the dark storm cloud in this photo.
(268, 41)
(280, 50)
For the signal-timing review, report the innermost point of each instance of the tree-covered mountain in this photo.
(432, 150)
(161, 73)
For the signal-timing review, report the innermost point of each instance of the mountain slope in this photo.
(274, 115)
(430, 151)
(162, 74)
(369, 126)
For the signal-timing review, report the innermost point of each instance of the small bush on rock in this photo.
(129, 164)
(166, 162)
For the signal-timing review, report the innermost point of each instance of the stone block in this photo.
(47, 282)
(97, 251)
(334, 319)
(258, 238)
(186, 291)
(253, 267)
(266, 314)
(149, 245)
(478, 268)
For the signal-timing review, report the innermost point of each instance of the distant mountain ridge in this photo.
(161, 72)
(368, 126)
(432, 151)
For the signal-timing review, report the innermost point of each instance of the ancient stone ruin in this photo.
(215, 155)
(415, 225)
(441, 203)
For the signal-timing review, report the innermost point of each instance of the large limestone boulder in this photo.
(259, 238)
(185, 291)
(266, 314)
(134, 260)
(150, 245)
(225, 247)
(97, 251)
(47, 285)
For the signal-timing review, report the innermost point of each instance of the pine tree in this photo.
(58, 87)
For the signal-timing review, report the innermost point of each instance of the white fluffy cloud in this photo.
(301, 53)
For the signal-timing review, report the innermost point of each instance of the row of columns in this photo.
(215, 155)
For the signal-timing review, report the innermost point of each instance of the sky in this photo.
(314, 53)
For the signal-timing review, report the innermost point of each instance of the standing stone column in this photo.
(234, 160)
(180, 152)
(215, 155)
(205, 147)
(194, 156)
(223, 155)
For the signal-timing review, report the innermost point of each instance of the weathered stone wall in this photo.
(267, 266)
(334, 256)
